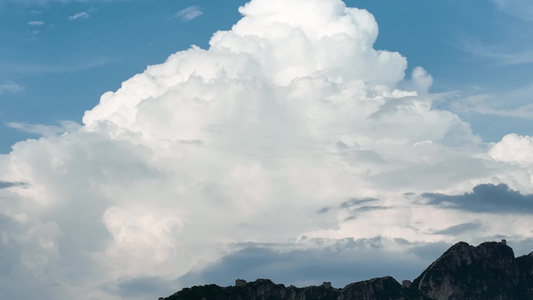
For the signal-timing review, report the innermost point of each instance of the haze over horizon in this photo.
(297, 144)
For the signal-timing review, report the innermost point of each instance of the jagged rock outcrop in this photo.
(488, 271)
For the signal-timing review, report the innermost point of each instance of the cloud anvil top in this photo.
(291, 137)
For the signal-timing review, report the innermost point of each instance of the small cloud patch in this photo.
(10, 87)
(35, 23)
(79, 16)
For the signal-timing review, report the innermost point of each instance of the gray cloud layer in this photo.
(341, 263)
(486, 198)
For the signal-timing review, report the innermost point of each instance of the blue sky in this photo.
(64, 64)
(299, 140)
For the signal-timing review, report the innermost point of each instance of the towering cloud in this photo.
(290, 131)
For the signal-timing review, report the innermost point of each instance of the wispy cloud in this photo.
(10, 87)
(502, 55)
(517, 105)
(35, 23)
(508, 43)
(80, 15)
(524, 112)
(71, 67)
(45, 130)
(508, 59)
(188, 14)
(522, 9)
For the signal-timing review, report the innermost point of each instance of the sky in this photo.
(147, 146)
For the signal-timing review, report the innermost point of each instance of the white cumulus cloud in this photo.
(290, 130)
(514, 149)
(421, 81)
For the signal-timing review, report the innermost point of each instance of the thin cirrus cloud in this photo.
(516, 106)
(188, 14)
(65, 67)
(45, 130)
(227, 154)
(508, 44)
(502, 55)
(524, 112)
(522, 9)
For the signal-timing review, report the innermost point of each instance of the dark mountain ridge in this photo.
(463, 272)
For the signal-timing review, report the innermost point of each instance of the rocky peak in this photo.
(487, 271)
